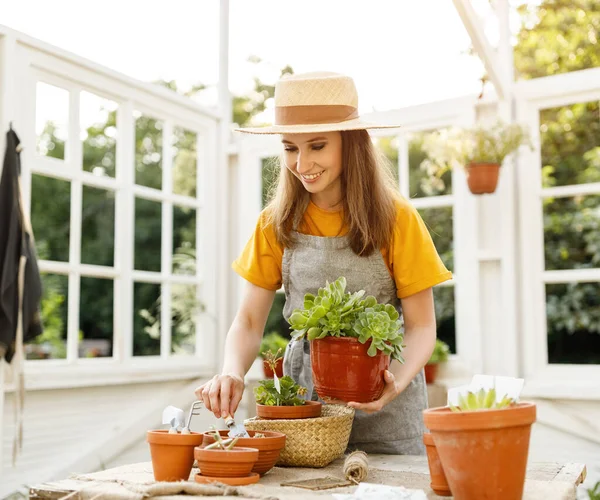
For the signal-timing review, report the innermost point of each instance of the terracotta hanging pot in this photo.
(342, 370)
(431, 371)
(278, 369)
(269, 447)
(482, 177)
(172, 454)
(483, 453)
(438, 484)
(310, 409)
(237, 462)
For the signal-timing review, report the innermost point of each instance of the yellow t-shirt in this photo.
(412, 259)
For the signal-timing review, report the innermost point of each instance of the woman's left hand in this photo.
(390, 391)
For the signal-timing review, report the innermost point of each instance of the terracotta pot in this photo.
(237, 462)
(431, 373)
(269, 447)
(438, 484)
(483, 453)
(278, 369)
(309, 409)
(172, 454)
(342, 370)
(482, 177)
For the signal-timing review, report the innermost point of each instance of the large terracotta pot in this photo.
(483, 453)
(342, 370)
(431, 371)
(309, 409)
(278, 369)
(438, 484)
(172, 454)
(237, 462)
(269, 447)
(482, 177)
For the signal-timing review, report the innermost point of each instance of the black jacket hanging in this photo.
(16, 240)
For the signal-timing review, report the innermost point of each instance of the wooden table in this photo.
(545, 481)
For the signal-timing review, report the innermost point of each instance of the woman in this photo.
(336, 212)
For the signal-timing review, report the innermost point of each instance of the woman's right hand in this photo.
(222, 394)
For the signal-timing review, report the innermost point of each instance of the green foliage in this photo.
(481, 400)
(440, 353)
(594, 493)
(267, 394)
(337, 313)
(272, 342)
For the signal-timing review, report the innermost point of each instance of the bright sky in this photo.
(399, 52)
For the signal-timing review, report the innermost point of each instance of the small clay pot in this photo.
(278, 369)
(310, 409)
(431, 371)
(269, 447)
(343, 371)
(438, 484)
(172, 454)
(237, 462)
(482, 178)
(483, 452)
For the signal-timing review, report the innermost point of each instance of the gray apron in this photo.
(398, 428)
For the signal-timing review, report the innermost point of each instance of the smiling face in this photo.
(316, 159)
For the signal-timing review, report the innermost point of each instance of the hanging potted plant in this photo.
(352, 340)
(439, 355)
(282, 398)
(480, 151)
(483, 444)
(274, 343)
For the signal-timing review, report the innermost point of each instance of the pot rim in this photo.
(272, 440)
(428, 439)
(162, 436)
(244, 453)
(306, 403)
(443, 419)
(484, 164)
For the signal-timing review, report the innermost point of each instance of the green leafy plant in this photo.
(272, 342)
(288, 395)
(337, 313)
(456, 148)
(481, 400)
(440, 353)
(594, 493)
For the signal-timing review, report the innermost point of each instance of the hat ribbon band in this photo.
(314, 114)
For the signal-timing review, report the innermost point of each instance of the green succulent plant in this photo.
(267, 394)
(440, 353)
(481, 400)
(337, 313)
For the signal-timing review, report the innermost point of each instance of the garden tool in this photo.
(236, 430)
(194, 410)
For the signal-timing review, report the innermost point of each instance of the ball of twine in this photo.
(356, 467)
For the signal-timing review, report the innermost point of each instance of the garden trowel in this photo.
(236, 430)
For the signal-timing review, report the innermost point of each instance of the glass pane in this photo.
(147, 235)
(270, 174)
(573, 319)
(52, 343)
(570, 144)
(51, 120)
(146, 319)
(96, 318)
(98, 227)
(184, 312)
(184, 162)
(184, 240)
(50, 217)
(443, 297)
(421, 182)
(98, 118)
(148, 152)
(388, 146)
(572, 232)
(439, 222)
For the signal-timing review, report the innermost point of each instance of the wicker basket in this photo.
(310, 442)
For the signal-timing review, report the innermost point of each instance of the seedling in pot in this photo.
(222, 444)
(481, 400)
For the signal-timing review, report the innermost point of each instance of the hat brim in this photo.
(356, 124)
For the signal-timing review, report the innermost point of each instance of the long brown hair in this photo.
(368, 197)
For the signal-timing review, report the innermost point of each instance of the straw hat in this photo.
(315, 102)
